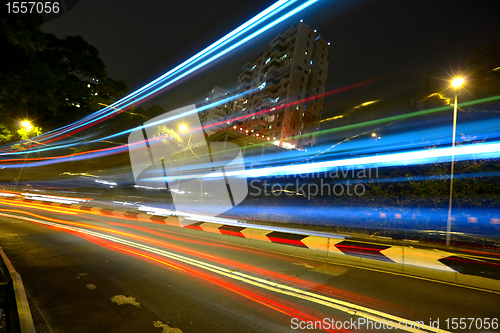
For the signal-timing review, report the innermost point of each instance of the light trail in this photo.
(424, 156)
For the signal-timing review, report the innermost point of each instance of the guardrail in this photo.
(15, 314)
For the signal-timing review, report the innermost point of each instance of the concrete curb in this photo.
(472, 271)
(23, 315)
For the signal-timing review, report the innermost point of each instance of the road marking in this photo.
(347, 307)
(166, 328)
(91, 286)
(122, 299)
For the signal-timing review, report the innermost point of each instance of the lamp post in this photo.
(184, 128)
(27, 125)
(455, 83)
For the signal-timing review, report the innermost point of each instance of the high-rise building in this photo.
(214, 119)
(293, 69)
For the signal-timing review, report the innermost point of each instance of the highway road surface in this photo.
(86, 272)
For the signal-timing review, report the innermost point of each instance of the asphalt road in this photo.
(90, 273)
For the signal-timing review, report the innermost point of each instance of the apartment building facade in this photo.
(216, 118)
(290, 80)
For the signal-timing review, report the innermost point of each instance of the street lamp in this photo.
(26, 124)
(455, 83)
(183, 128)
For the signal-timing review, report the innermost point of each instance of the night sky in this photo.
(398, 41)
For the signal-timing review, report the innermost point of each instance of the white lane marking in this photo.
(333, 303)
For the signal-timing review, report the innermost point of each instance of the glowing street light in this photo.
(455, 83)
(26, 124)
(183, 128)
(374, 134)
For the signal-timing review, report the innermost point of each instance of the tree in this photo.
(48, 78)
(5, 133)
(26, 133)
